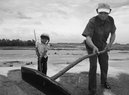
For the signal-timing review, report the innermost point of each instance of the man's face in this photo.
(103, 15)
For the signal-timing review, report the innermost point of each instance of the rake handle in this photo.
(74, 63)
(37, 51)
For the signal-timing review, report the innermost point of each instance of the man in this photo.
(97, 32)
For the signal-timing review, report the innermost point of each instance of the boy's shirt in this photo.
(43, 49)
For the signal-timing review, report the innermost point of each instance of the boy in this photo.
(41, 51)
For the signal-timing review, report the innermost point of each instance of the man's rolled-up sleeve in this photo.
(113, 28)
(89, 29)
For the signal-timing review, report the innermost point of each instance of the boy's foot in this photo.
(106, 85)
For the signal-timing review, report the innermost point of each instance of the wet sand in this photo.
(75, 83)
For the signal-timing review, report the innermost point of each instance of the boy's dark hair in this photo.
(45, 36)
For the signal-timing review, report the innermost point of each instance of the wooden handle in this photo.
(38, 54)
(73, 64)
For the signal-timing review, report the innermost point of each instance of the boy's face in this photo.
(44, 40)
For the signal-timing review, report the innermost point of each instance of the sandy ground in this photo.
(75, 81)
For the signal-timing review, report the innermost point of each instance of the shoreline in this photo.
(55, 68)
(112, 72)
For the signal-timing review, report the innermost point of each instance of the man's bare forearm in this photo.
(112, 38)
(89, 42)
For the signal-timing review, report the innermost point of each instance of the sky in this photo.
(63, 20)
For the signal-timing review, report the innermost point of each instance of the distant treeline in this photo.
(30, 43)
(16, 42)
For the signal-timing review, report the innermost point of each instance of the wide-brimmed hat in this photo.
(103, 7)
(44, 35)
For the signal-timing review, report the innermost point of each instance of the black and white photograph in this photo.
(64, 47)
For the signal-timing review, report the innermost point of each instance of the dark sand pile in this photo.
(75, 83)
(14, 85)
